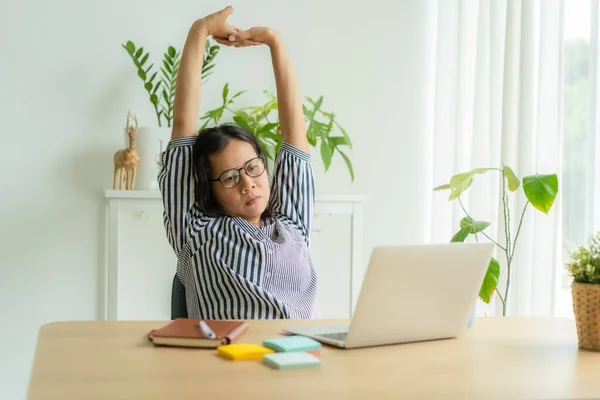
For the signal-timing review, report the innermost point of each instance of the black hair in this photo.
(210, 141)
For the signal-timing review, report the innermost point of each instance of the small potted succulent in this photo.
(584, 267)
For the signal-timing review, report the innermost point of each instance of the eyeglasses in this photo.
(231, 177)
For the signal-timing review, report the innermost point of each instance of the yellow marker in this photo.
(243, 351)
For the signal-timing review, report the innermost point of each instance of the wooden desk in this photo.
(498, 358)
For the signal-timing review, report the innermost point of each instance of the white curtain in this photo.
(593, 187)
(496, 98)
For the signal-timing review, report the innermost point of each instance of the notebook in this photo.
(185, 332)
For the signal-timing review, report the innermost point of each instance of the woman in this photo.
(242, 245)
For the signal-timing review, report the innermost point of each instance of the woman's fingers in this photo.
(232, 31)
(224, 42)
(237, 43)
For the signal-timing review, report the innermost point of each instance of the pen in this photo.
(206, 330)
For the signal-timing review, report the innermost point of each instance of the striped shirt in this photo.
(232, 269)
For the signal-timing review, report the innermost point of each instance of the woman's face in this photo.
(245, 196)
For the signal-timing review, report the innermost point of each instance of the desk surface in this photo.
(497, 358)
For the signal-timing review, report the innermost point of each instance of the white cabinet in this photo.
(141, 264)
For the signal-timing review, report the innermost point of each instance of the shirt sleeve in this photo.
(176, 182)
(294, 186)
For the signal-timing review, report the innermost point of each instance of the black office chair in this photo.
(178, 304)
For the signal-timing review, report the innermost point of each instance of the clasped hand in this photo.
(216, 25)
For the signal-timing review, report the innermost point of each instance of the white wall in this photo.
(66, 86)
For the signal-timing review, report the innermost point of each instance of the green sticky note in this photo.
(293, 360)
(292, 343)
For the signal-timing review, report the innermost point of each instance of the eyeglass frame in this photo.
(239, 171)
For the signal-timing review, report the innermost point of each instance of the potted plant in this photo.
(584, 266)
(540, 191)
(160, 86)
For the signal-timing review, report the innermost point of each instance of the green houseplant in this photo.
(584, 266)
(159, 83)
(161, 92)
(261, 121)
(540, 191)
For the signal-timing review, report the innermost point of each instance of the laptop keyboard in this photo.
(341, 336)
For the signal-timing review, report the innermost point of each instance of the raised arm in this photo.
(186, 107)
(291, 116)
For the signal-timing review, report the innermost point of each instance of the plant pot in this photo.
(150, 142)
(586, 307)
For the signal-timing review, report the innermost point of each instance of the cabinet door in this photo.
(331, 255)
(147, 265)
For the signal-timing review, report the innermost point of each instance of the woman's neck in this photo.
(256, 222)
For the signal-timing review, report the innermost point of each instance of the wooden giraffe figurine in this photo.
(126, 160)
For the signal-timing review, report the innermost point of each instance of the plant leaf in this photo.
(326, 153)
(267, 127)
(130, 47)
(490, 282)
(270, 135)
(541, 190)
(513, 181)
(461, 182)
(237, 95)
(348, 163)
(168, 68)
(139, 52)
(474, 226)
(142, 74)
(461, 235)
(225, 93)
(243, 123)
(348, 141)
(337, 141)
(318, 105)
(442, 187)
(148, 86)
(208, 68)
(154, 99)
(156, 87)
(172, 52)
(145, 59)
(306, 111)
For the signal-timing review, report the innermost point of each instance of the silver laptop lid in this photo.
(421, 292)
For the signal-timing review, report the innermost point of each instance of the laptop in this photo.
(411, 294)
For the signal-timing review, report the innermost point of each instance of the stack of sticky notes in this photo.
(291, 360)
(243, 351)
(292, 352)
(294, 344)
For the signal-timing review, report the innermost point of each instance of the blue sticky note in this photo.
(292, 343)
(293, 360)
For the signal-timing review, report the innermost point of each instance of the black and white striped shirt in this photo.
(231, 268)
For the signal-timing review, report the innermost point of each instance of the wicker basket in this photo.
(586, 306)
